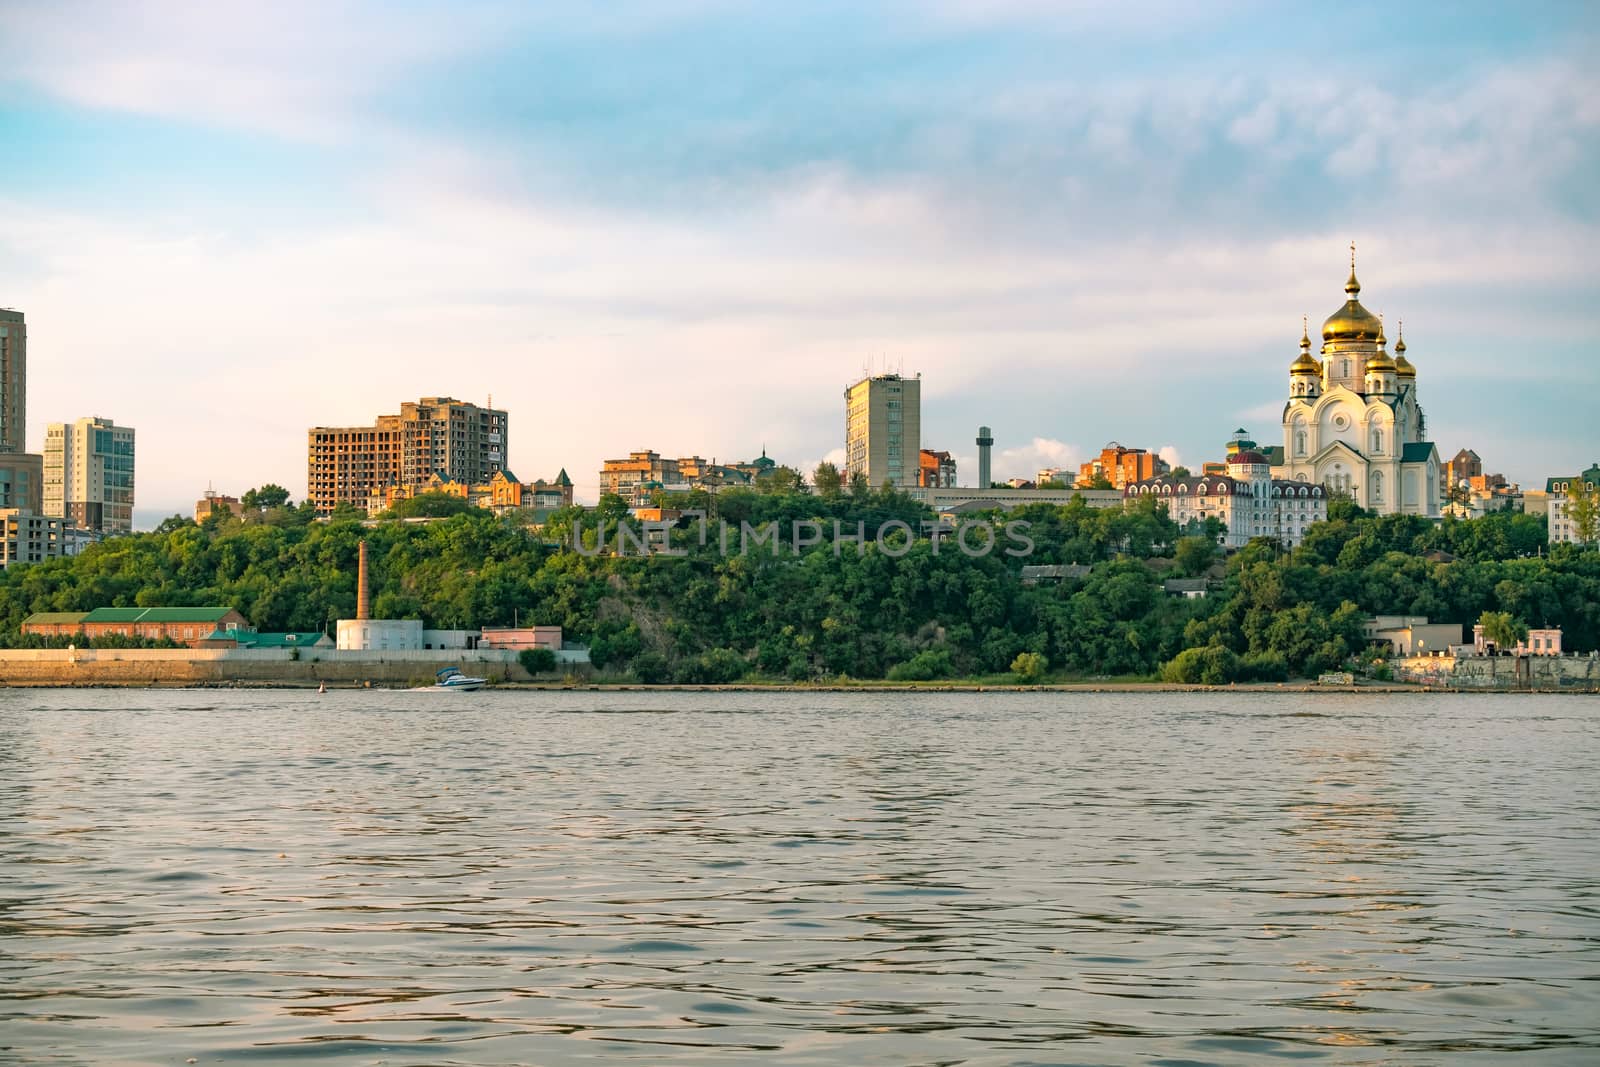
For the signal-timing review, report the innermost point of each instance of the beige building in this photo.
(1412, 635)
(26, 537)
(89, 474)
(214, 502)
(883, 430)
(457, 441)
(638, 477)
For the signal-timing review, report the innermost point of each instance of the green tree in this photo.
(1195, 555)
(1029, 667)
(266, 496)
(1583, 510)
(1502, 628)
(537, 661)
(781, 481)
(827, 480)
(433, 504)
(1181, 472)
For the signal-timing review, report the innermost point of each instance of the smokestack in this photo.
(363, 593)
(985, 442)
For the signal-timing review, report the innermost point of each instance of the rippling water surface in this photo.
(552, 878)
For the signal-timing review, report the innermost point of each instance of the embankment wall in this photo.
(151, 666)
(1581, 672)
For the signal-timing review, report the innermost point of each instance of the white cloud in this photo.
(1027, 460)
(293, 68)
(1170, 454)
(1066, 292)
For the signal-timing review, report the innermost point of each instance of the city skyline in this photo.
(231, 227)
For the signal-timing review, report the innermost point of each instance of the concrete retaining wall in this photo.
(182, 666)
(1580, 672)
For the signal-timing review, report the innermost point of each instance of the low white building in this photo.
(1247, 500)
(1562, 529)
(380, 635)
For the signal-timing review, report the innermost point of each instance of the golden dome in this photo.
(1403, 365)
(1304, 363)
(1351, 322)
(1381, 361)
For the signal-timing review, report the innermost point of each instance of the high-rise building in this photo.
(88, 474)
(25, 535)
(13, 381)
(459, 442)
(883, 429)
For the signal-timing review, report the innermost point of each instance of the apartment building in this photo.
(883, 430)
(457, 441)
(89, 474)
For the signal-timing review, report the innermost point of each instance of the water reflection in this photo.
(823, 879)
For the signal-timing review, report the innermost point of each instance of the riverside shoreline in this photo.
(1254, 688)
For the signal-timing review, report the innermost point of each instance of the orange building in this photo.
(935, 470)
(1119, 466)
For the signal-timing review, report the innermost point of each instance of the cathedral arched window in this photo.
(1377, 440)
(1377, 485)
(1300, 442)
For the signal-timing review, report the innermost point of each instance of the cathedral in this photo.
(1352, 422)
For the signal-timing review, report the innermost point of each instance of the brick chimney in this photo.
(363, 595)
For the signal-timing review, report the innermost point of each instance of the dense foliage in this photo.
(931, 613)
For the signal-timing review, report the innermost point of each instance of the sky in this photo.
(688, 226)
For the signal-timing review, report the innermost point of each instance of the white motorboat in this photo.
(452, 678)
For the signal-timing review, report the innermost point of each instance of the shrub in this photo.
(1212, 665)
(650, 668)
(923, 667)
(719, 666)
(1029, 666)
(537, 660)
(1264, 667)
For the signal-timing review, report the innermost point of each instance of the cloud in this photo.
(1170, 454)
(641, 249)
(295, 68)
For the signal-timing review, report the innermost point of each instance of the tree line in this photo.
(824, 615)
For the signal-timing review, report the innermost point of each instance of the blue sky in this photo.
(688, 225)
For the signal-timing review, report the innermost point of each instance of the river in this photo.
(796, 878)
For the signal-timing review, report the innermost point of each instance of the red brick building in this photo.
(186, 626)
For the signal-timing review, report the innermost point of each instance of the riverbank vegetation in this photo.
(834, 612)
